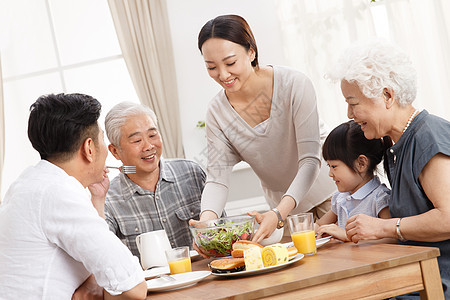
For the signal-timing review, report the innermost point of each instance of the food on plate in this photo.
(245, 244)
(274, 255)
(252, 258)
(240, 246)
(216, 237)
(292, 251)
(237, 253)
(227, 265)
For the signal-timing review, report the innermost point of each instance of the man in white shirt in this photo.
(52, 237)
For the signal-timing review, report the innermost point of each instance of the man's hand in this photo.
(98, 193)
(98, 190)
(89, 290)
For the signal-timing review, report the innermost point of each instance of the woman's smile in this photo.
(229, 83)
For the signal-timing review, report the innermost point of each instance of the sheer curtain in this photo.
(314, 34)
(2, 127)
(142, 28)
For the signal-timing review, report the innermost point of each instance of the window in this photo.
(54, 46)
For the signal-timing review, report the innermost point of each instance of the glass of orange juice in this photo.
(179, 260)
(302, 233)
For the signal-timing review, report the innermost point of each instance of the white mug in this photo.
(152, 246)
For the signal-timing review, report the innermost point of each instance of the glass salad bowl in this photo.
(216, 237)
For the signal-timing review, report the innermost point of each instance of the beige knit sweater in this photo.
(286, 157)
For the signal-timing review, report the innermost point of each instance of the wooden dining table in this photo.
(367, 270)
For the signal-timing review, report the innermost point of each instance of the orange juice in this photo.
(305, 241)
(180, 266)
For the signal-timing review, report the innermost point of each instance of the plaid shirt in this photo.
(131, 210)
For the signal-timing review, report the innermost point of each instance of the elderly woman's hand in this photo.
(363, 227)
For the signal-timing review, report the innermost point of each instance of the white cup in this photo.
(152, 246)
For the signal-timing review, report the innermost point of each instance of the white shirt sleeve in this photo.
(71, 222)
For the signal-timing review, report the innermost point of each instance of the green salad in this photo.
(218, 242)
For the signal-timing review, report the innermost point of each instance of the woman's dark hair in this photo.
(347, 142)
(59, 124)
(232, 28)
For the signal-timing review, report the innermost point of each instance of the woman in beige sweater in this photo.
(266, 116)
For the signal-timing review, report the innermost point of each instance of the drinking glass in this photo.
(179, 260)
(302, 233)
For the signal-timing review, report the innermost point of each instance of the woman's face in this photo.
(370, 113)
(228, 63)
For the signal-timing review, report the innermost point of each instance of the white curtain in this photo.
(315, 33)
(2, 129)
(142, 27)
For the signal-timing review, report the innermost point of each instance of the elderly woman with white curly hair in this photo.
(378, 82)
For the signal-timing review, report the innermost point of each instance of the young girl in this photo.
(352, 160)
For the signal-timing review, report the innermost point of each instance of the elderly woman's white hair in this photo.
(374, 66)
(119, 114)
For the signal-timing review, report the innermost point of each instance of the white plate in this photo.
(323, 241)
(263, 270)
(319, 242)
(182, 280)
(156, 271)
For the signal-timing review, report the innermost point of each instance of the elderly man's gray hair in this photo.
(119, 114)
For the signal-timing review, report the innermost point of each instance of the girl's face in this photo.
(345, 178)
(371, 114)
(228, 63)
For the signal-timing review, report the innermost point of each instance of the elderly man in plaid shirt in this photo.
(162, 194)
